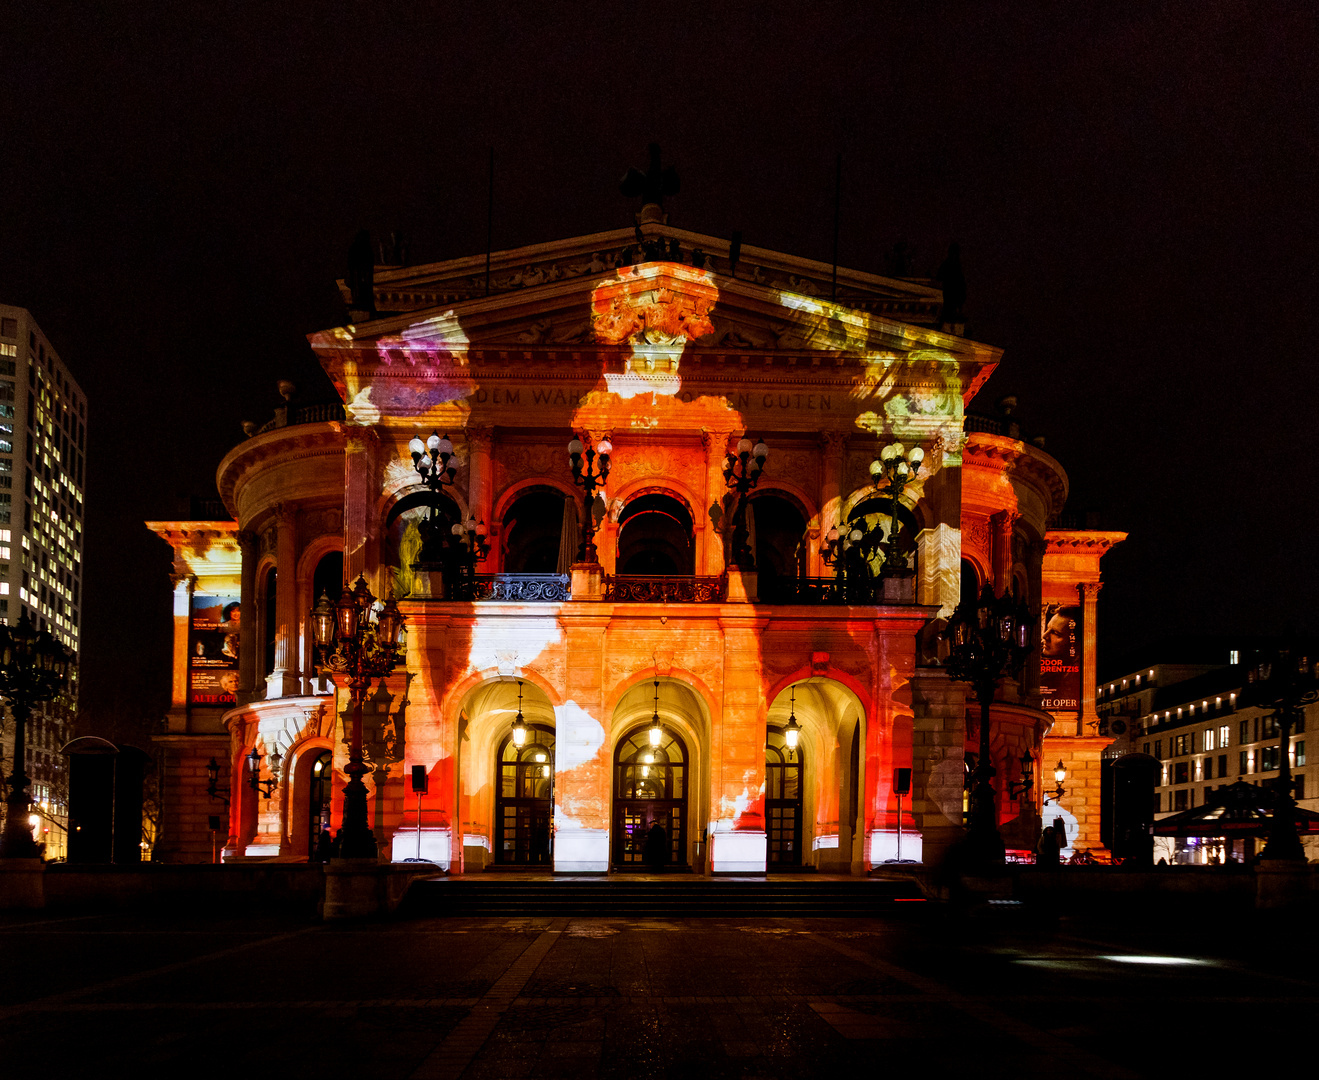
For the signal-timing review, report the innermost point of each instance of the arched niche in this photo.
(531, 533)
(875, 513)
(656, 536)
(401, 540)
(779, 542)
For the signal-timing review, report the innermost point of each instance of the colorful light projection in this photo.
(912, 388)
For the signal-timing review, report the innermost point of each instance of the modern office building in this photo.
(1182, 711)
(694, 666)
(43, 440)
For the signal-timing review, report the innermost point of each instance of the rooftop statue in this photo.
(653, 184)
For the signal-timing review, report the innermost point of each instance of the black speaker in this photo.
(419, 779)
(902, 781)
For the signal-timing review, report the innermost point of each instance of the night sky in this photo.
(1133, 187)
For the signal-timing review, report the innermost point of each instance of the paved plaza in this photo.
(929, 991)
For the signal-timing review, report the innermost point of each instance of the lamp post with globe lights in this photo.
(1283, 683)
(741, 474)
(356, 640)
(34, 667)
(895, 468)
(987, 638)
(590, 470)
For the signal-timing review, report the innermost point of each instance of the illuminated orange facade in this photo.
(674, 360)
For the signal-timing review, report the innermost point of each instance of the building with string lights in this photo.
(674, 525)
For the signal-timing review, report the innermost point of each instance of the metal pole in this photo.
(838, 195)
(899, 827)
(489, 219)
(418, 826)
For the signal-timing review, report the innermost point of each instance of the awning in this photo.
(1240, 809)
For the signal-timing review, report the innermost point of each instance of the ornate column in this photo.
(834, 446)
(1089, 592)
(1000, 546)
(184, 584)
(248, 645)
(359, 528)
(480, 484)
(715, 444)
(285, 681)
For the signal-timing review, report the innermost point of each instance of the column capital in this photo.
(833, 443)
(715, 439)
(247, 541)
(480, 436)
(1089, 589)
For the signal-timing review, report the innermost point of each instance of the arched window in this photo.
(524, 807)
(655, 536)
(970, 583)
(533, 531)
(327, 578)
(269, 623)
(783, 787)
(779, 539)
(401, 542)
(876, 513)
(650, 788)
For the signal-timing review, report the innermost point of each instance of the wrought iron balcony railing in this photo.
(816, 590)
(675, 589)
(520, 588)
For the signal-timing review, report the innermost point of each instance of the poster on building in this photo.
(1060, 658)
(213, 650)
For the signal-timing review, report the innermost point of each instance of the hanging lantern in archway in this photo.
(519, 724)
(656, 732)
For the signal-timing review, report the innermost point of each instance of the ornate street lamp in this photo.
(1283, 683)
(433, 459)
(987, 639)
(34, 667)
(437, 467)
(895, 469)
(846, 552)
(590, 470)
(471, 545)
(741, 475)
(362, 644)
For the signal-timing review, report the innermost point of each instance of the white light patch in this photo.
(361, 411)
(493, 638)
(1166, 961)
(578, 736)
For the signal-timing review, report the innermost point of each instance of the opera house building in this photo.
(664, 533)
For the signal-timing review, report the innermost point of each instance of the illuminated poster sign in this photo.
(1060, 658)
(213, 650)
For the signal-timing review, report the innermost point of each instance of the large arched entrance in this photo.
(524, 805)
(319, 791)
(650, 788)
(783, 802)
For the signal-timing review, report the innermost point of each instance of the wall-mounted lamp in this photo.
(1059, 775)
(213, 782)
(266, 787)
(1020, 787)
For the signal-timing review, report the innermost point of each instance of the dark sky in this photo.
(1133, 187)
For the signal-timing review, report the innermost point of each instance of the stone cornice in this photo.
(1012, 456)
(1081, 541)
(281, 445)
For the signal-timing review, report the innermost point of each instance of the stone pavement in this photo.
(929, 992)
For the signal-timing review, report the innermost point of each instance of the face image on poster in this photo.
(1060, 658)
(213, 650)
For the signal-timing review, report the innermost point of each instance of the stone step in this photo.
(690, 897)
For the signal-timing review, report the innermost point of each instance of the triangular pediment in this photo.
(400, 289)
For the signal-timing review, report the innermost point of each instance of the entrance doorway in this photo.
(650, 787)
(524, 807)
(782, 802)
(318, 796)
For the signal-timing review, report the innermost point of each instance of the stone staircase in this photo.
(676, 896)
